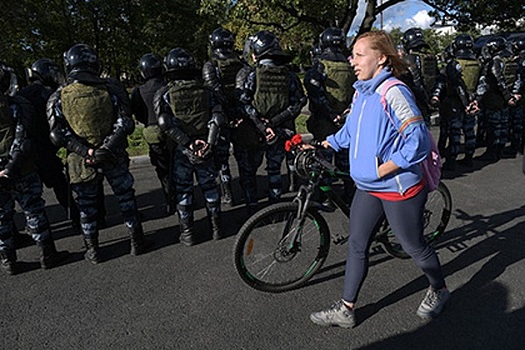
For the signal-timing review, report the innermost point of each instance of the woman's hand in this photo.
(326, 144)
(386, 168)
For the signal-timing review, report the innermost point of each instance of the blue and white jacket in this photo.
(372, 138)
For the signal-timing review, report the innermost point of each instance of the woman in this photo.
(385, 152)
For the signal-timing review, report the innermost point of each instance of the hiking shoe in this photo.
(433, 303)
(337, 315)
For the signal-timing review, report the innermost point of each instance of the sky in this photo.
(406, 14)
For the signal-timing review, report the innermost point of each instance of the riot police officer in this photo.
(45, 76)
(90, 117)
(270, 99)
(191, 116)
(454, 95)
(423, 69)
(219, 74)
(19, 179)
(495, 94)
(329, 85)
(143, 109)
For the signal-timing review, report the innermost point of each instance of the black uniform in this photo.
(160, 148)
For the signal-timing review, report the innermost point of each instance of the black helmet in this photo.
(46, 71)
(264, 43)
(222, 38)
(413, 39)
(180, 64)
(150, 66)
(81, 58)
(8, 81)
(462, 46)
(316, 51)
(495, 45)
(332, 37)
(179, 59)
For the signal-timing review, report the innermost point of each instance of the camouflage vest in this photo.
(339, 84)
(470, 71)
(428, 70)
(510, 71)
(7, 129)
(229, 68)
(272, 92)
(89, 111)
(190, 103)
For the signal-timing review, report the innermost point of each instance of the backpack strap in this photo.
(384, 89)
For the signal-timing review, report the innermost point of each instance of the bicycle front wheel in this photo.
(275, 253)
(436, 216)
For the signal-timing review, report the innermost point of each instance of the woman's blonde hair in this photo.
(382, 42)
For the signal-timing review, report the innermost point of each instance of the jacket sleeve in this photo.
(246, 94)
(497, 71)
(455, 79)
(415, 144)
(210, 76)
(21, 147)
(117, 141)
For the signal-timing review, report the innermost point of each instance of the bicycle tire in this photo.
(438, 209)
(260, 253)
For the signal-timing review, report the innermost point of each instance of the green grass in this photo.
(300, 124)
(137, 144)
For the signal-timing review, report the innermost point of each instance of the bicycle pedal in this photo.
(338, 239)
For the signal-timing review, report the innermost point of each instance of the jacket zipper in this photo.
(359, 129)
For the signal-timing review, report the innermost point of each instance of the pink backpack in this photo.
(431, 166)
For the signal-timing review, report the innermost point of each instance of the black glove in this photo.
(100, 156)
(194, 160)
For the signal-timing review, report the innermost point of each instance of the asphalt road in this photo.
(178, 297)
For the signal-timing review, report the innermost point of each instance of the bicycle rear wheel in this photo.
(436, 216)
(275, 253)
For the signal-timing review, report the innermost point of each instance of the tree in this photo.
(505, 14)
(296, 22)
(120, 30)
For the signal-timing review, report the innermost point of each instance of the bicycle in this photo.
(282, 246)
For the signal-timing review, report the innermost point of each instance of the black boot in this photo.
(467, 161)
(490, 155)
(137, 241)
(8, 261)
(226, 194)
(510, 152)
(214, 214)
(50, 257)
(21, 239)
(186, 225)
(92, 250)
(450, 164)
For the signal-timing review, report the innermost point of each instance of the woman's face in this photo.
(367, 63)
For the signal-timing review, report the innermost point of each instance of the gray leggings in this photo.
(406, 220)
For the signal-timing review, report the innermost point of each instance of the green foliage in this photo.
(469, 14)
(123, 30)
(136, 144)
(300, 124)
